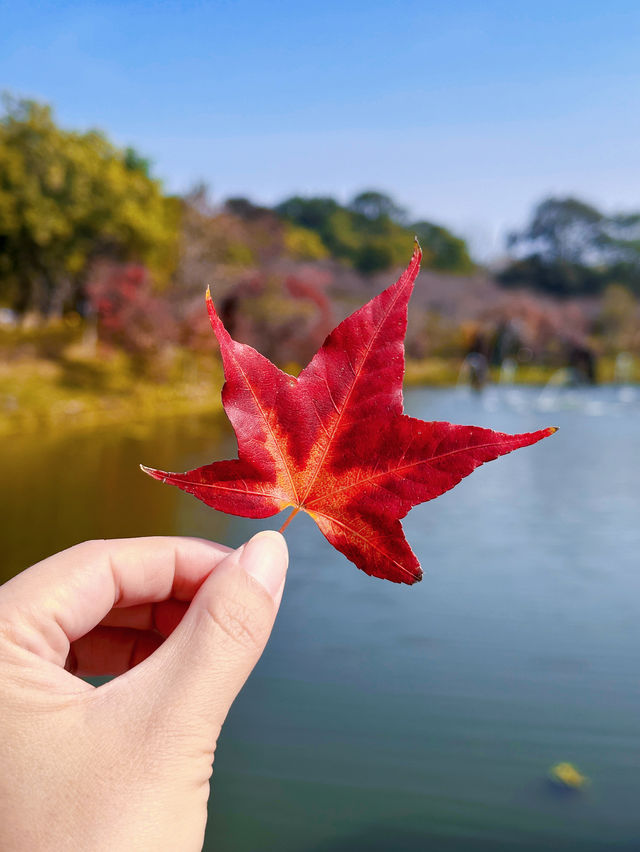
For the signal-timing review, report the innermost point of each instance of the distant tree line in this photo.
(372, 233)
(570, 248)
(69, 201)
(72, 201)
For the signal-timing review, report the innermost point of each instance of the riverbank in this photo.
(76, 391)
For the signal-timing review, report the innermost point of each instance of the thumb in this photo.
(199, 670)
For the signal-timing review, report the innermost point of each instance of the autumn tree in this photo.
(66, 199)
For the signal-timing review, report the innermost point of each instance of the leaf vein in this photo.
(268, 425)
(389, 471)
(359, 535)
(356, 376)
(173, 480)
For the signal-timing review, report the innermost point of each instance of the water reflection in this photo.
(611, 401)
(59, 490)
(423, 717)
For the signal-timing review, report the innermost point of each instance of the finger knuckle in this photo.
(236, 621)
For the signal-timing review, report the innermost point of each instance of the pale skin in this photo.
(125, 766)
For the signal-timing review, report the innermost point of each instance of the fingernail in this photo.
(265, 557)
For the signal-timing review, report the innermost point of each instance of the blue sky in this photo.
(466, 112)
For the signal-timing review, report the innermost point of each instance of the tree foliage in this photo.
(372, 232)
(71, 200)
(374, 205)
(569, 247)
(67, 199)
(129, 315)
(447, 252)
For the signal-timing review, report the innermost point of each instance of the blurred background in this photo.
(286, 155)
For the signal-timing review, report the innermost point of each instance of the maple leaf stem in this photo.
(289, 519)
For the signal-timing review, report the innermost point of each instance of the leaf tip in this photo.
(152, 472)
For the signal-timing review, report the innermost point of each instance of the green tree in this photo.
(620, 246)
(562, 230)
(375, 205)
(313, 213)
(558, 278)
(370, 232)
(135, 162)
(68, 198)
(570, 247)
(443, 250)
(246, 210)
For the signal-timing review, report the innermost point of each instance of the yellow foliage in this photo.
(66, 197)
(303, 244)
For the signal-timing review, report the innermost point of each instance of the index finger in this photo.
(63, 597)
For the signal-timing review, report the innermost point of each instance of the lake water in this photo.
(385, 717)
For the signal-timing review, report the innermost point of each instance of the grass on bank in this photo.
(76, 390)
(79, 392)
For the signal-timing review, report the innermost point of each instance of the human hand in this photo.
(125, 766)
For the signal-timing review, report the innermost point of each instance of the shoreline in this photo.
(83, 394)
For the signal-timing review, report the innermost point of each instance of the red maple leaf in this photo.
(335, 441)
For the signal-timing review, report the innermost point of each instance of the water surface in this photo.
(411, 718)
